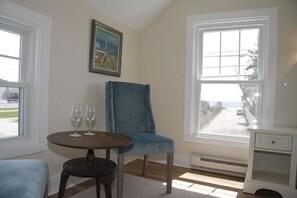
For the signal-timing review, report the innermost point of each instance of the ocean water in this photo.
(228, 105)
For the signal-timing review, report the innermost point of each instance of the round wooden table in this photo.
(90, 166)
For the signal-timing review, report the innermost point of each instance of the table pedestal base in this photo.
(101, 169)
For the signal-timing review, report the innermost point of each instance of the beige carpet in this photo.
(138, 187)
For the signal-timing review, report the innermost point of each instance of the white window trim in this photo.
(269, 17)
(39, 80)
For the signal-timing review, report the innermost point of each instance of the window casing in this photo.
(206, 70)
(29, 88)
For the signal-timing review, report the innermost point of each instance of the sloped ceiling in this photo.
(136, 14)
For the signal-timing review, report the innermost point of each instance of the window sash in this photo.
(199, 83)
(23, 106)
(201, 56)
(22, 85)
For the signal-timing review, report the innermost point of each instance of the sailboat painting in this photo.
(106, 50)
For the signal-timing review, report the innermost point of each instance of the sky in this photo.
(9, 56)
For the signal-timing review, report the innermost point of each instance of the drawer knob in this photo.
(273, 142)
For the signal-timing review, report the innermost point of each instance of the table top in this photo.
(274, 130)
(101, 140)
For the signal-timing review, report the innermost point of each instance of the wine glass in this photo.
(90, 117)
(76, 116)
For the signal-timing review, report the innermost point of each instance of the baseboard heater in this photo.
(218, 165)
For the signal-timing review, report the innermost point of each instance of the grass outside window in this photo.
(9, 112)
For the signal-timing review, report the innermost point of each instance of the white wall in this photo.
(155, 56)
(69, 79)
(163, 47)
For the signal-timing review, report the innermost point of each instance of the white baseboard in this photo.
(54, 181)
(179, 160)
(182, 161)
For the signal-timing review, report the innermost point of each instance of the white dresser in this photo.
(272, 160)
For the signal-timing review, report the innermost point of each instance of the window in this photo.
(24, 56)
(230, 75)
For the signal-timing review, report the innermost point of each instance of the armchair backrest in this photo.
(128, 108)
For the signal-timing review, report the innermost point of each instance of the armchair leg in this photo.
(169, 172)
(120, 176)
(45, 192)
(145, 161)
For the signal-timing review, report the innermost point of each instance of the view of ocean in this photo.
(228, 105)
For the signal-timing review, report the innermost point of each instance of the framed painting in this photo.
(106, 50)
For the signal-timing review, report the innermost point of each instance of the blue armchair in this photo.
(26, 178)
(128, 111)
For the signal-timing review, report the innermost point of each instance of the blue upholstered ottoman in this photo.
(23, 178)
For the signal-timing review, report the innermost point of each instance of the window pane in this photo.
(248, 73)
(211, 43)
(244, 60)
(234, 52)
(249, 53)
(211, 62)
(210, 72)
(211, 55)
(211, 59)
(227, 109)
(9, 44)
(9, 69)
(229, 61)
(244, 72)
(249, 39)
(230, 42)
(229, 71)
(9, 112)
(253, 66)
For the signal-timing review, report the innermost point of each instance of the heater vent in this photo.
(219, 165)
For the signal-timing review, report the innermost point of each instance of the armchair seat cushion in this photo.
(147, 143)
(23, 178)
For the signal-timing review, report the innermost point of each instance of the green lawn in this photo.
(9, 112)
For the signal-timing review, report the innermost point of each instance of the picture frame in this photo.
(106, 50)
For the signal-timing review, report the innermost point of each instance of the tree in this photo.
(249, 96)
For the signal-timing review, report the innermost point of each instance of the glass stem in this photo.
(75, 127)
(90, 125)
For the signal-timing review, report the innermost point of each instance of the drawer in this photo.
(274, 142)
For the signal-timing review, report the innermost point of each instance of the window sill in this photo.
(217, 141)
(15, 151)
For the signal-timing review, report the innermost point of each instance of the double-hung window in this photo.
(230, 75)
(24, 66)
